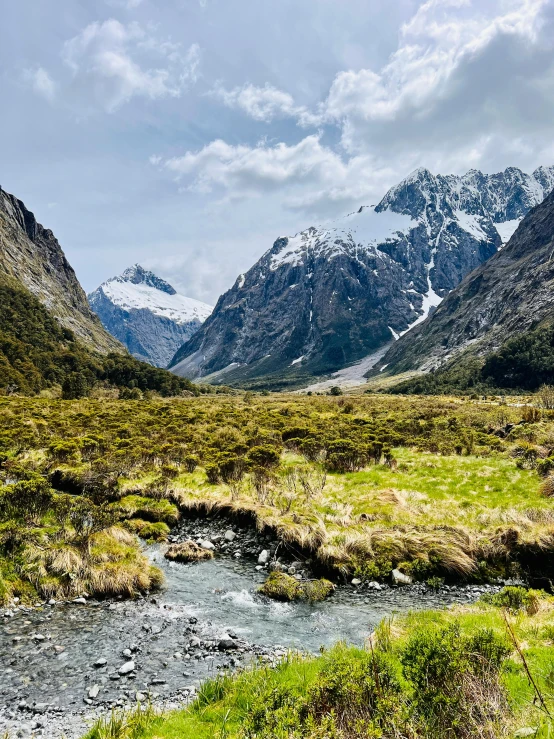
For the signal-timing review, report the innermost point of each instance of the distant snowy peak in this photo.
(137, 289)
(147, 314)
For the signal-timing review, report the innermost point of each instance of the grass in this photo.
(387, 672)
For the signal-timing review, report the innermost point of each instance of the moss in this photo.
(280, 586)
(135, 506)
(188, 551)
(147, 530)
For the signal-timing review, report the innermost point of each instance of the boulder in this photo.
(263, 557)
(399, 578)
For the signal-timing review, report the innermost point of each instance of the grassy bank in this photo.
(437, 487)
(476, 671)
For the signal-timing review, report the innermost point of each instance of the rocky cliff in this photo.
(31, 254)
(331, 295)
(147, 315)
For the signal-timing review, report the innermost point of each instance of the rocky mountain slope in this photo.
(509, 295)
(147, 315)
(332, 295)
(31, 254)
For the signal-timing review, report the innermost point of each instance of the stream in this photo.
(61, 664)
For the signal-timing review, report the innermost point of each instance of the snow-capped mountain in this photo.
(147, 314)
(331, 295)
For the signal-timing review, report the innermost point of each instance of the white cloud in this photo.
(471, 84)
(248, 171)
(112, 62)
(260, 103)
(41, 82)
(451, 69)
(309, 176)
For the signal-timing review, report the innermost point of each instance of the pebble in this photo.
(229, 535)
(93, 692)
(100, 662)
(127, 668)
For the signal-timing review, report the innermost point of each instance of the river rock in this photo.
(356, 581)
(230, 535)
(93, 692)
(80, 601)
(263, 557)
(127, 668)
(399, 578)
(101, 662)
(374, 585)
(227, 644)
(205, 544)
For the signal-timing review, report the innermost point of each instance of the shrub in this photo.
(455, 679)
(514, 599)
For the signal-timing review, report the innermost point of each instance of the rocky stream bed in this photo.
(64, 664)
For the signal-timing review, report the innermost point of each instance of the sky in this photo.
(187, 135)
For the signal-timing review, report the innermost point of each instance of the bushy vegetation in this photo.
(436, 487)
(37, 353)
(523, 363)
(458, 674)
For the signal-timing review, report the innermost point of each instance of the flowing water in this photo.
(47, 654)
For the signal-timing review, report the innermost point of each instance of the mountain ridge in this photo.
(507, 296)
(330, 296)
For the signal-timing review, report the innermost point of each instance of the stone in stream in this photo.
(263, 557)
(227, 644)
(93, 692)
(356, 581)
(230, 535)
(399, 578)
(101, 662)
(127, 668)
(207, 545)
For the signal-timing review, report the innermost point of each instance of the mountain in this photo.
(332, 295)
(509, 296)
(31, 255)
(147, 315)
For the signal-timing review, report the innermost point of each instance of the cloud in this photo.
(260, 103)
(112, 63)
(41, 82)
(454, 73)
(309, 176)
(470, 84)
(247, 171)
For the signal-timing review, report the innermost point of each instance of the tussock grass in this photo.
(188, 551)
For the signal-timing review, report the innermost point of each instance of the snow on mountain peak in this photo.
(137, 289)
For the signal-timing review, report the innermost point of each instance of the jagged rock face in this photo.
(510, 294)
(147, 314)
(31, 254)
(331, 295)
